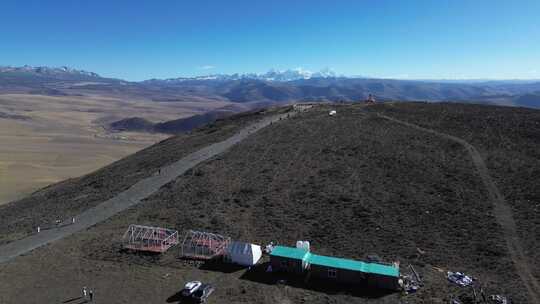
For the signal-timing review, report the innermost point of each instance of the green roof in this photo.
(301, 254)
(290, 252)
(353, 265)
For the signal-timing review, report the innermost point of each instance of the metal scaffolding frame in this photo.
(203, 245)
(153, 239)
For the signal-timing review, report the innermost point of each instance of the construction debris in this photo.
(498, 299)
(203, 245)
(459, 278)
(417, 277)
(409, 284)
(152, 239)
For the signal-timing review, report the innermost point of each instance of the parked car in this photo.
(202, 293)
(191, 287)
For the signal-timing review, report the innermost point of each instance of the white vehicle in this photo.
(190, 288)
(202, 293)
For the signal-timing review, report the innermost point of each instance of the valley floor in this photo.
(47, 139)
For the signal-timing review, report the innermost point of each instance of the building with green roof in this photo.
(297, 260)
(290, 252)
(289, 259)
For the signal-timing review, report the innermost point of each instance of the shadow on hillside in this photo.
(179, 298)
(139, 253)
(75, 300)
(220, 266)
(258, 274)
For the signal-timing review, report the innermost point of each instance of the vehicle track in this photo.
(502, 211)
(132, 196)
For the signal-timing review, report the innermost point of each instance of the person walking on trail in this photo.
(91, 293)
(159, 171)
(84, 292)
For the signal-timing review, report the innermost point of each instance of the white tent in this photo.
(244, 254)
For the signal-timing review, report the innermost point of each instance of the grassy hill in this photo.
(354, 184)
(175, 126)
(68, 198)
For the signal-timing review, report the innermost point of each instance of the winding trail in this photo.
(502, 211)
(134, 195)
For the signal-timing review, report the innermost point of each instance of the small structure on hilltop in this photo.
(244, 254)
(302, 106)
(300, 261)
(203, 245)
(152, 239)
(332, 113)
(370, 99)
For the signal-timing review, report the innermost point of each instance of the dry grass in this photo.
(63, 137)
(353, 184)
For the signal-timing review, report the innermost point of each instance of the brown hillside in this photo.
(354, 184)
(509, 141)
(70, 197)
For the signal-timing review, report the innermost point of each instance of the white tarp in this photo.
(459, 278)
(244, 254)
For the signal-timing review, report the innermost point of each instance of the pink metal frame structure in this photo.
(153, 239)
(203, 245)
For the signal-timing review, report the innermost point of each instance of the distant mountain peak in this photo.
(271, 75)
(48, 71)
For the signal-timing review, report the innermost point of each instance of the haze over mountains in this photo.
(268, 88)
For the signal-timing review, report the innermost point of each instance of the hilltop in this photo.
(176, 126)
(354, 184)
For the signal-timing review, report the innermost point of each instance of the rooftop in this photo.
(290, 252)
(339, 263)
(353, 265)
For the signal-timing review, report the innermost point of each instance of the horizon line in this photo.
(291, 69)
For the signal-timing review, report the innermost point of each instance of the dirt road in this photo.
(502, 211)
(134, 195)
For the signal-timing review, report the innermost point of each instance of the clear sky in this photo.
(137, 39)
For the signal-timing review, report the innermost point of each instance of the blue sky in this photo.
(138, 40)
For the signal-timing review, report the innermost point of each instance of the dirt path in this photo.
(502, 211)
(132, 196)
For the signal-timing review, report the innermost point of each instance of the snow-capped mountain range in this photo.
(272, 75)
(50, 71)
(271, 87)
